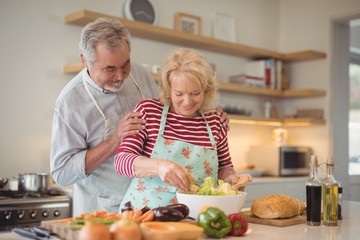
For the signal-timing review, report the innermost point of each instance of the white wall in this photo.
(35, 44)
(318, 28)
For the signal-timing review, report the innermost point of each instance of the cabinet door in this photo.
(293, 189)
(354, 192)
(257, 190)
(296, 190)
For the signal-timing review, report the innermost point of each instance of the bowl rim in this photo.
(238, 195)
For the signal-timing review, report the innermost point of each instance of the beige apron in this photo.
(103, 200)
(110, 124)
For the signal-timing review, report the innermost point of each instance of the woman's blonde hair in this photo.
(188, 64)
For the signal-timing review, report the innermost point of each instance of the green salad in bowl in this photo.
(220, 195)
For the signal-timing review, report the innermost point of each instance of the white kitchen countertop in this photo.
(348, 228)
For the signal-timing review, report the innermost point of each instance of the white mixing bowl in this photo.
(229, 204)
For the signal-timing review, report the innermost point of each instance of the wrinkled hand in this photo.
(239, 181)
(224, 118)
(173, 174)
(129, 125)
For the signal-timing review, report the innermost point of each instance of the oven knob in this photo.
(33, 214)
(21, 214)
(7, 215)
(45, 213)
(56, 213)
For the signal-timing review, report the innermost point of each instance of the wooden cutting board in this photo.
(61, 228)
(64, 230)
(274, 222)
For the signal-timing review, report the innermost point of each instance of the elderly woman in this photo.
(183, 135)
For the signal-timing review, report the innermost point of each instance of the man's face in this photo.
(111, 67)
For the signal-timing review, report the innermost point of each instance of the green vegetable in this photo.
(224, 189)
(80, 222)
(208, 187)
(214, 222)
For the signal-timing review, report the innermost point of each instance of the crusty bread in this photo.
(277, 206)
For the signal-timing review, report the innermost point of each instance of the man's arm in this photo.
(71, 159)
(129, 125)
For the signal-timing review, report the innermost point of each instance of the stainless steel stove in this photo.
(21, 209)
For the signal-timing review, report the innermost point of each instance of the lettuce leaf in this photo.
(208, 187)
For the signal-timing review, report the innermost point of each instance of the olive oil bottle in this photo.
(330, 188)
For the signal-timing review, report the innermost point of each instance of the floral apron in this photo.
(199, 161)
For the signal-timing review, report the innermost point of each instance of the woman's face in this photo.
(187, 96)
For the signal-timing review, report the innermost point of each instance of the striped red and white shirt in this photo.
(189, 129)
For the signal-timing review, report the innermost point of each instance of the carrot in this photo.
(100, 214)
(83, 215)
(131, 214)
(128, 214)
(138, 219)
(113, 216)
(148, 216)
(137, 214)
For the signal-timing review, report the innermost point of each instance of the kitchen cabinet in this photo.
(161, 34)
(261, 186)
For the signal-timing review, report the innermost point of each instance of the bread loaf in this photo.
(277, 206)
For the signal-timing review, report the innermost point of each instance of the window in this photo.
(354, 115)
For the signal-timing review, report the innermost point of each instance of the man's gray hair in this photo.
(110, 33)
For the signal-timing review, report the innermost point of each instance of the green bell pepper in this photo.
(214, 222)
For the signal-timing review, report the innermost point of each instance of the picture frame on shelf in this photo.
(188, 23)
(224, 27)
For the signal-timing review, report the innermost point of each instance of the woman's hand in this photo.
(173, 174)
(238, 181)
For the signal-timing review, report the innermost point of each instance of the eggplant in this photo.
(180, 207)
(145, 209)
(127, 207)
(165, 214)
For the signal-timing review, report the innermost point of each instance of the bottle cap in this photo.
(314, 161)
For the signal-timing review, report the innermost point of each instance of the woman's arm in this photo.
(226, 170)
(168, 171)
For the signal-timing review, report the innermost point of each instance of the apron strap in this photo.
(137, 86)
(211, 136)
(95, 102)
(93, 99)
(163, 119)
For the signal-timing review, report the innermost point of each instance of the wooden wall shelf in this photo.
(171, 36)
(290, 122)
(165, 35)
(234, 87)
(242, 88)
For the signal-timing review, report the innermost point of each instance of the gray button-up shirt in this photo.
(78, 125)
